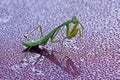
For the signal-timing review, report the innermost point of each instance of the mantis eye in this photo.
(74, 19)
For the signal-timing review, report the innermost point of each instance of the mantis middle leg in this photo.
(36, 28)
(59, 41)
(41, 35)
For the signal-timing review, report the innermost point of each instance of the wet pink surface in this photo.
(96, 56)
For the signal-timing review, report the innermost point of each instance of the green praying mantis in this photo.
(52, 34)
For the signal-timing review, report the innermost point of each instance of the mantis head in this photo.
(74, 19)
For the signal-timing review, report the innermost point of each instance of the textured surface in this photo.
(94, 57)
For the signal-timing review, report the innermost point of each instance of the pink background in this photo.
(96, 56)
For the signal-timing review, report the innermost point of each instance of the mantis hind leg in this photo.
(62, 46)
(36, 28)
(80, 32)
(65, 54)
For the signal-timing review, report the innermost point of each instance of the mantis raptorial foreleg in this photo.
(81, 32)
(36, 28)
(74, 31)
(81, 25)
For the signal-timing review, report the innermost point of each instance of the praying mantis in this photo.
(52, 34)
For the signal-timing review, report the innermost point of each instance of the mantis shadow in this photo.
(65, 64)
